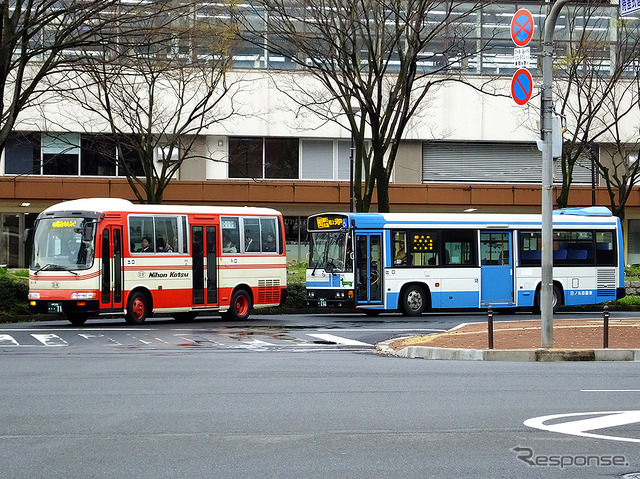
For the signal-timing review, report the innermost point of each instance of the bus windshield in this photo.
(331, 251)
(59, 244)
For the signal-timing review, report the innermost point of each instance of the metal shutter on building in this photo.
(456, 162)
(317, 160)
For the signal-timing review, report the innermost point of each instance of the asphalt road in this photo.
(112, 403)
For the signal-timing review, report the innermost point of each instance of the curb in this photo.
(516, 355)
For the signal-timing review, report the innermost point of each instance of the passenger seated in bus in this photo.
(269, 243)
(249, 243)
(146, 245)
(162, 247)
(400, 258)
(228, 246)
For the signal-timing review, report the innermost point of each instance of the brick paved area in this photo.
(567, 334)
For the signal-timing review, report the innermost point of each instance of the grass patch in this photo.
(296, 273)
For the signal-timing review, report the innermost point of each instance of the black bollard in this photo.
(490, 326)
(605, 317)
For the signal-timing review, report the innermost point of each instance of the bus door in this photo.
(368, 268)
(496, 255)
(204, 265)
(111, 250)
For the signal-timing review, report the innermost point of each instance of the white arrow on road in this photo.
(581, 427)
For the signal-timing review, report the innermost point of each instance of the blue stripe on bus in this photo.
(319, 284)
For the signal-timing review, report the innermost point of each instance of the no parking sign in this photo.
(522, 27)
(521, 86)
(521, 33)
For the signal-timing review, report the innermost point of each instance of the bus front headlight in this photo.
(84, 295)
(34, 295)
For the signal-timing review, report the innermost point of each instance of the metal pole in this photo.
(490, 326)
(546, 292)
(605, 317)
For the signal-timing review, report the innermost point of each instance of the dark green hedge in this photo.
(13, 296)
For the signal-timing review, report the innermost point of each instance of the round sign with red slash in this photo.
(521, 86)
(522, 27)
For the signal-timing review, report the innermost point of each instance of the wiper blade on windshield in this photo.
(54, 267)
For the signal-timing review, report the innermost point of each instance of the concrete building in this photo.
(463, 150)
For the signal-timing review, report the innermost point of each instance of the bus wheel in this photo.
(414, 301)
(77, 319)
(137, 308)
(240, 306)
(555, 300)
(185, 317)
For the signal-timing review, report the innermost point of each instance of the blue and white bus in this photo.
(413, 263)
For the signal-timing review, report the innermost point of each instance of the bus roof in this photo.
(567, 216)
(100, 205)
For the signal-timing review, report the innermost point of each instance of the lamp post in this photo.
(546, 291)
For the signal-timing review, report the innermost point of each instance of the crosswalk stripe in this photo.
(50, 339)
(6, 340)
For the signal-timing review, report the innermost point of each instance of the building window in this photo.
(22, 154)
(276, 158)
(281, 158)
(97, 156)
(60, 154)
(245, 158)
(129, 156)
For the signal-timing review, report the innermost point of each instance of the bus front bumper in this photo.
(74, 306)
(330, 298)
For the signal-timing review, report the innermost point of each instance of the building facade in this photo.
(463, 150)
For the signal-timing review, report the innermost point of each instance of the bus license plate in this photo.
(322, 302)
(55, 307)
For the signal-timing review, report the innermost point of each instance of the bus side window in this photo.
(166, 229)
(140, 227)
(399, 249)
(230, 235)
(268, 235)
(251, 235)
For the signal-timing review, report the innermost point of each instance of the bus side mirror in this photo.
(27, 236)
(87, 234)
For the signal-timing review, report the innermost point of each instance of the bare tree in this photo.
(597, 91)
(161, 84)
(373, 62)
(39, 38)
(618, 163)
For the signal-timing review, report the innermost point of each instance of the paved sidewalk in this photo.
(573, 340)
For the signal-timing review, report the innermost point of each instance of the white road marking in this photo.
(338, 340)
(6, 340)
(50, 339)
(581, 427)
(89, 336)
(610, 390)
(256, 343)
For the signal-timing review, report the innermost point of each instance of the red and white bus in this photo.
(109, 256)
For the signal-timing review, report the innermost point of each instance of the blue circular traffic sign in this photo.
(522, 27)
(521, 86)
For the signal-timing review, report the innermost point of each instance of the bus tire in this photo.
(77, 319)
(240, 306)
(414, 300)
(137, 308)
(556, 300)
